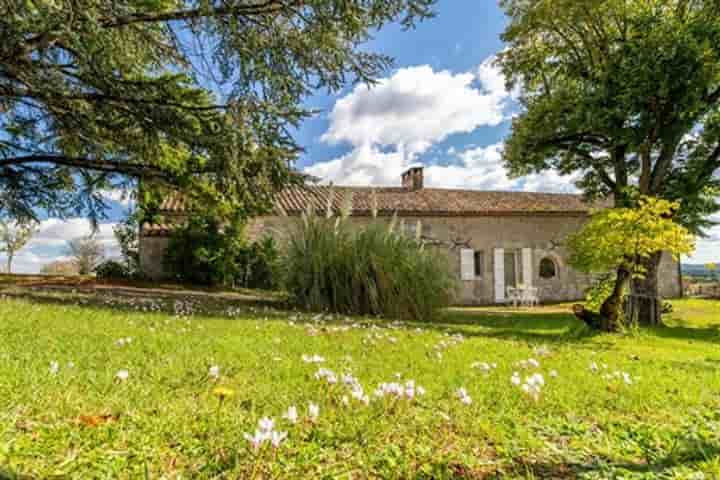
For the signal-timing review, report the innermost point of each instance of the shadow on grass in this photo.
(686, 454)
(534, 327)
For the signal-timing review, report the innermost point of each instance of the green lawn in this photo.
(167, 421)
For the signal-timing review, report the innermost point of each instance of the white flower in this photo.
(276, 438)
(214, 372)
(626, 378)
(536, 380)
(345, 400)
(515, 379)
(327, 374)
(312, 358)
(484, 366)
(266, 424)
(463, 396)
(542, 350)
(71, 365)
(313, 411)
(533, 385)
(348, 379)
(532, 390)
(553, 373)
(358, 393)
(533, 362)
(122, 375)
(54, 367)
(256, 440)
(291, 415)
(594, 367)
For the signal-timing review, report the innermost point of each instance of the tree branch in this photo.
(109, 166)
(264, 8)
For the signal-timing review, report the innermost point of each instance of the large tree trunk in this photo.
(611, 309)
(646, 295)
(608, 320)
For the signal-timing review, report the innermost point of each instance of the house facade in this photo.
(494, 240)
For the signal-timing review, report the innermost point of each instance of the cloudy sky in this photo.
(444, 105)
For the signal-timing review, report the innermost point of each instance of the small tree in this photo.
(622, 239)
(86, 252)
(13, 237)
(127, 235)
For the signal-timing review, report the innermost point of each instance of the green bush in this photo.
(110, 269)
(206, 253)
(370, 271)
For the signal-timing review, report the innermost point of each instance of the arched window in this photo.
(547, 268)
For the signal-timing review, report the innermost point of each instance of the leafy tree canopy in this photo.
(625, 92)
(198, 95)
(623, 237)
(625, 240)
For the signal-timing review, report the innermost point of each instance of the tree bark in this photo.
(9, 262)
(646, 293)
(611, 309)
(608, 320)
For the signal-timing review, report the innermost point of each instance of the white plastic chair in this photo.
(529, 297)
(513, 295)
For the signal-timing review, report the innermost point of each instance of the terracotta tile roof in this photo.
(427, 201)
(405, 202)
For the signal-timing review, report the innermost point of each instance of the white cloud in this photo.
(364, 165)
(391, 124)
(119, 195)
(417, 107)
(50, 243)
(481, 168)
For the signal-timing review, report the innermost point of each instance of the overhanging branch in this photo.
(109, 166)
(264, 8)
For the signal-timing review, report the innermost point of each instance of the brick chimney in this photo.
(412, 179)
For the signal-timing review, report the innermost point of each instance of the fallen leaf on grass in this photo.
(97, 420)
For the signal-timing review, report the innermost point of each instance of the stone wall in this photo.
(544, 235)
(152, 251)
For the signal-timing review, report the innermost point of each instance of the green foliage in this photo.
(333, 266)
(625, 93)
(97, 94)
(113, 270)
(127, 235)
(207, 251)
(627, 237)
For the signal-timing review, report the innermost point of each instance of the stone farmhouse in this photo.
(494, 240)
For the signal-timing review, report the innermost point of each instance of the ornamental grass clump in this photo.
(373, 270)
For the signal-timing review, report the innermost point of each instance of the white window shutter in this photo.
(499, 274)
(527, 266)
(467, 264)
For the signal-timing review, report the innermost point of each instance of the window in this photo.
(479, 263)
(547, 268)
(472, 264)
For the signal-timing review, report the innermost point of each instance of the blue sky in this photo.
(443, 105)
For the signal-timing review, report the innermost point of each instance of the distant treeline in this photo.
(696, 270)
